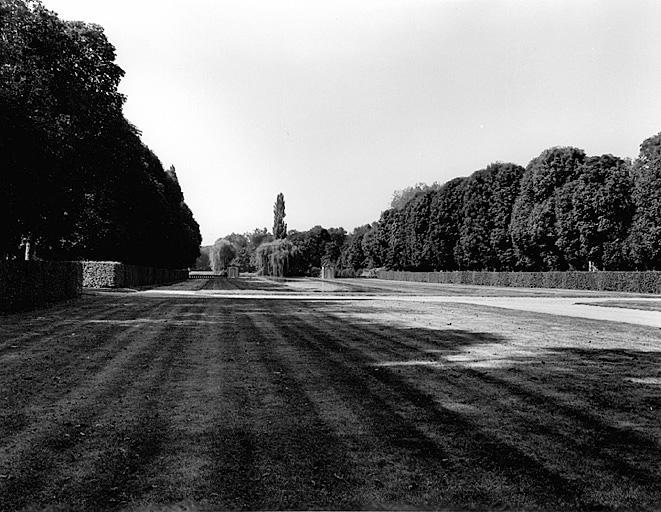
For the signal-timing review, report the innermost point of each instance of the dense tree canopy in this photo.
(534, 221)
(423, 234)
(485, 241)
(564, 211)
(594, 213)
(644, 244)
(401, 197)
(221, 255)
(244, 247)
(353, 255)
(311, 247)
(77, 182)
(274, 258)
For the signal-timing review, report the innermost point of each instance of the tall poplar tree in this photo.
(279, 225)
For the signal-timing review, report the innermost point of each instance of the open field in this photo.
(248, 394)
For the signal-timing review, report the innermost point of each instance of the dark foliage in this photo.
(565, 211)
(279, 224)
(594, 213)
(644, 244)
(485, 241)
(311, 250)
(534, 221)
(77, 182)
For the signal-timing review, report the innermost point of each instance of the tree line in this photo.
(77, 181)
(564, 211)
(298, 253)
(279, 253)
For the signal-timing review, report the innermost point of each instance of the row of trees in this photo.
(278, 254)
(77, 182)
(234, 250)
(297, 253)
(564, 211)
(300, 253)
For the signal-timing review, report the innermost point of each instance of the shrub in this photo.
(346, 272)
(29, 284)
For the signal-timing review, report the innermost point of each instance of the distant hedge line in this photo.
(638, 282)
(112, 274)
(29, 284)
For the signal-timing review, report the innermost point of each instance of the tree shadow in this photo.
(343, 412)
(557, 427)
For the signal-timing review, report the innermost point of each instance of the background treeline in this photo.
(300, 253)
(561, 212)
(76, 180)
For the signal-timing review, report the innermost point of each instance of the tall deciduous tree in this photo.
(534, 222)
(372, 246)
(645, 236)
(311, 247)
(221, 255)
(484, 232)
(333, 248)
(279, 225)
(203, 261)
(77, 182)
(389, 239)
(443, 229)
(353, 255)
(275, 257)
(58, 89)
(594, 214)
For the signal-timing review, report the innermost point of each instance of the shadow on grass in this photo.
(331, 411)
(498, 424)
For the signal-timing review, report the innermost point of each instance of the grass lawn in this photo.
(126, 401)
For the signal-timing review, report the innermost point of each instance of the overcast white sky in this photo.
(339, 103)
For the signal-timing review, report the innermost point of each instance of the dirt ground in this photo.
(251, 394)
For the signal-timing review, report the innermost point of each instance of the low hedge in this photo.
(637, 282)
(112, 274)
(29, 284)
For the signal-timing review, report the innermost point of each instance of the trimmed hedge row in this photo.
(30, 284)
(637, 282)
(112, 274)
